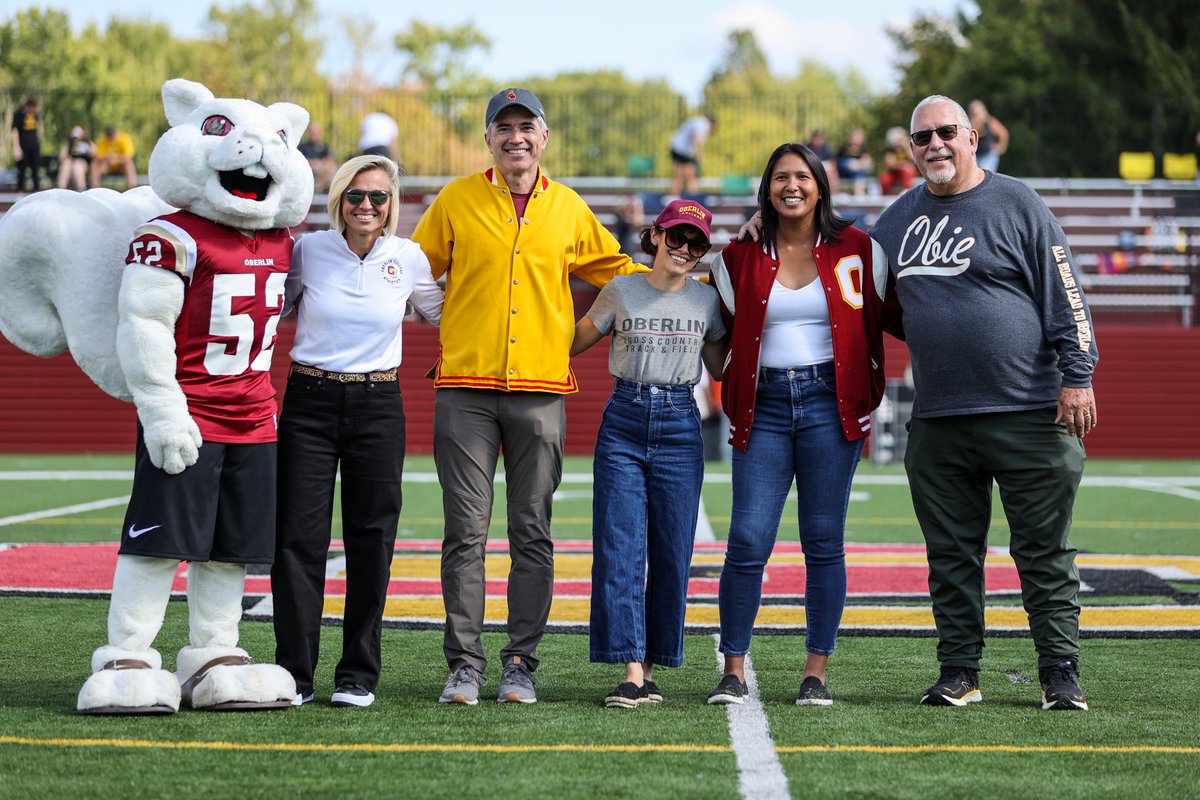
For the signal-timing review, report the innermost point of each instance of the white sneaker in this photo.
(301, 699)
(352, 695)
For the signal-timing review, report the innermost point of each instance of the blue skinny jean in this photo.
(796, 435)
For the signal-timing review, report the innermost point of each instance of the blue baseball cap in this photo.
(513, 97)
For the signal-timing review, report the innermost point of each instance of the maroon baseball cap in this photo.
(686, 212)
(513, 97)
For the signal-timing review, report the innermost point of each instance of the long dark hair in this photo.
(829, 224)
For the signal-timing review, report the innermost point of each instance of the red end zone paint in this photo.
(65, 568)
(89, 568)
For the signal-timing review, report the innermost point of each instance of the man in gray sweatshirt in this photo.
(1002, 352)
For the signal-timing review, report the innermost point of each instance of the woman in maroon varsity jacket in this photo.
(805, 370)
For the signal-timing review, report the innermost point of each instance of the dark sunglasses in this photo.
(675, 240)
(944, 132)
(378, 197)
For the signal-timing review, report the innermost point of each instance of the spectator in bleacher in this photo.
(377, 135)
(1002, 351)
(75, 160)
(27, 143)
(899, 171)
(114, 154)
(508, 241)
(854, 162)
(993, 136)
(630, 221)
(316, 152)
(649, 461)
(805, 370)
(687, 150)
(824, 150)
(350, 286)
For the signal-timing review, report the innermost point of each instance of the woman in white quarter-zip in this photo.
(351, 286)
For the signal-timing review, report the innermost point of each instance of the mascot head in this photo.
(232, 161)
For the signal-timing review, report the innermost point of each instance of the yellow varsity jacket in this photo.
(508, 320)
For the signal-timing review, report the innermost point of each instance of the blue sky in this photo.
(681, 42)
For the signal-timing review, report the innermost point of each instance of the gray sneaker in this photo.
(463, 686)
(516, 685)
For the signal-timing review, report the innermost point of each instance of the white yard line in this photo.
(704, 531)
(64, 510)
(1176, 491)
(760, 773)
(68, 475)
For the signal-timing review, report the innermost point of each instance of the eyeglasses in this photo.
(675, 240)
(378, 197)
(944, 132)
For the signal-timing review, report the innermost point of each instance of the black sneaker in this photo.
(352, 695)
(956, 686)
(1060, 687)
(813, 693)
(731, 690)
(650, 693)
(624, 696)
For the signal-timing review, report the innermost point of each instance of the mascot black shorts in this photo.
(222, 508)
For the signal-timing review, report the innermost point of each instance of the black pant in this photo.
(31, 159)
(362, 426)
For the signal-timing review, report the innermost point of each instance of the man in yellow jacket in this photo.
(508, 241)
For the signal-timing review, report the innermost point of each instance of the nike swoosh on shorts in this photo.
(136, 532)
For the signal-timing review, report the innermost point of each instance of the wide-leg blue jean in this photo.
(649, 467)
(796, 436)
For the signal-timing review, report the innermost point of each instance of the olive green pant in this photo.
(951, 464)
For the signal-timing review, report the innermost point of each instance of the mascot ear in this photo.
(296, 117)
(182, 97)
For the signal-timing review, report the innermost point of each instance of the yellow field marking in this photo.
(1188, 564)
(578, 566)
(295, 747)
(577, 610)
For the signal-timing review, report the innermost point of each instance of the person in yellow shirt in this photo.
(507, 240)
(114, 153)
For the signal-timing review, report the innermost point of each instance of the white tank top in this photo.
(796, 331)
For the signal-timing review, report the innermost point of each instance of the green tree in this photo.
(438, 58)
(599, 119)
(266, 51)
(756, 111)
(1075, 83)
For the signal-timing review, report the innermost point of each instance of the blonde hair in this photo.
(346, 174)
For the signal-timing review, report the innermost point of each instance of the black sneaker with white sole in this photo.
(626, 695)
(813, 693)
(956, 686)
(352, 695)
(1060, 687)
(732, 690)
(650, 693)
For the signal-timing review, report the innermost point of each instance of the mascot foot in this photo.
(227, 679)
(128, 682)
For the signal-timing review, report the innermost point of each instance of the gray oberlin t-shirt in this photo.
(657, 335)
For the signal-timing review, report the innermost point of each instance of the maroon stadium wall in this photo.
(1147, 385)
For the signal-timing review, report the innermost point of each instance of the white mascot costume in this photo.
(62, 286)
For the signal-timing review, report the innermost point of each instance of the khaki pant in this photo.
(951, 464)
(470, 429)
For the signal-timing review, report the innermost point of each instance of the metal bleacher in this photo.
(1137, 243)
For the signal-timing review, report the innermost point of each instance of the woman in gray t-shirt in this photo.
(649, 462)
